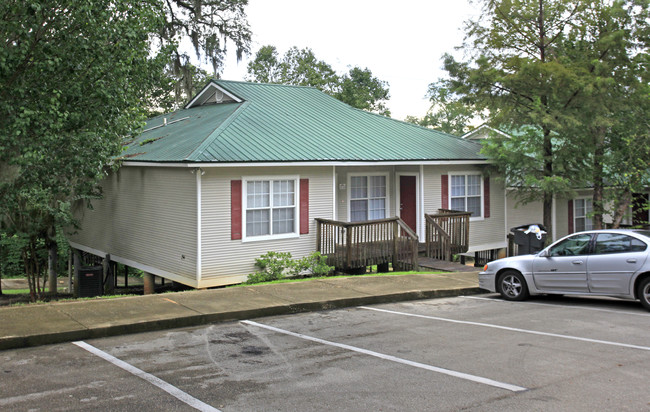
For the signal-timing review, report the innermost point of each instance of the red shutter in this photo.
(486, 197)
(304, 206)
(444, 180)
(235, 209)
(570, 213)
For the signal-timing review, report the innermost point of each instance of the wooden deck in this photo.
(353, 245)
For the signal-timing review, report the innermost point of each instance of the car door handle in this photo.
(631, 261)
(577, 262)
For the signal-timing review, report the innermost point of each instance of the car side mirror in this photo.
(544, 253)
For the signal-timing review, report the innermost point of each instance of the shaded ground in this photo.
(135, 288)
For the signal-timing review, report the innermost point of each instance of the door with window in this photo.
(565, 269)
(408, 201)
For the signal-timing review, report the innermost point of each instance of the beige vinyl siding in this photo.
(523, 214)
(226, 261)
(485, 233)
(148, 217)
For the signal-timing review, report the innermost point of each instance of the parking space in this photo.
(469, 353)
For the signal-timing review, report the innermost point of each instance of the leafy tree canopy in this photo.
(73, 75)
(209, 26)
(448, 112)
(548, 65)
(357, 88)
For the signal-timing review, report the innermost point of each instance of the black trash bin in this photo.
(531, 242)
(91, 281)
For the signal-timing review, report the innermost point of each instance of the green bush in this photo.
(315, 264)
(277, 265)
(272, 266)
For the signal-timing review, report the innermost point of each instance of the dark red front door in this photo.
(408, 206)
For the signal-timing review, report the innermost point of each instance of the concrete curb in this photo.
(14, 342)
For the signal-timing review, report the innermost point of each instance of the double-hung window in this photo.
(582, 209)
(271, 208)
(465, 193)
(367, 197)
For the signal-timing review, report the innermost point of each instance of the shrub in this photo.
(272, 265)
(315, 264)
(276, 265)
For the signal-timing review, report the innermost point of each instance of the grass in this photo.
(285, 280)
(305, 279)
(23, 291)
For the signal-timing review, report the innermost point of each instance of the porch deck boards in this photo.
(371, 253)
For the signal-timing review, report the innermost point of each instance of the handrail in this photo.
(437, 226)
(350, 245)
(447, 233)
(406, 228)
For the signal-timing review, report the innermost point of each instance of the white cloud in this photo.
(401, 43)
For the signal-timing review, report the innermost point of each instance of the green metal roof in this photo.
(280, 123)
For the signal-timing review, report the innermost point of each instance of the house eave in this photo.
(308, 163)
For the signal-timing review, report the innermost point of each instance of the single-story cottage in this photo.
(248, 168)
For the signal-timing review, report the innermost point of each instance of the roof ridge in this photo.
(216, 132)
(266, 84)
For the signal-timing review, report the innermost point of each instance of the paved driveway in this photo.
(466, 353)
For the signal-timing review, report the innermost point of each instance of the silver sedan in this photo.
(597, 262)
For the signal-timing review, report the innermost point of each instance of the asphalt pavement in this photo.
(42, 324)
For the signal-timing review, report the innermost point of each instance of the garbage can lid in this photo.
(527, 226)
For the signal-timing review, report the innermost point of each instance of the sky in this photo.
(402, 42)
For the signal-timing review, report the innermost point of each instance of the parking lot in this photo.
(464, 353)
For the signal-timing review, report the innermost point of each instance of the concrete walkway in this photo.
(42, 324)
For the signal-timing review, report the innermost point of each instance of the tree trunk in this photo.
(598, 179)
(548, 215)
(548, 173)
(622, 206)
(52, 263)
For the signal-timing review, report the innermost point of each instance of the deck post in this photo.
(414, 255)
(149, 283)
(107, 275)
(318, 235)
(395, 236)
(348, 246)
(77, 269)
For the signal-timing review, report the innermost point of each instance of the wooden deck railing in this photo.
(351, 245)
(447, 234)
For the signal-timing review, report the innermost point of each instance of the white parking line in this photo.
(449, 372)
(532, 332)
(170, 389)
(559, 306)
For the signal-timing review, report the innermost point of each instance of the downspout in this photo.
(554, 219)
(333, 192)
(421, 202)
(199, 173)
(505, 214)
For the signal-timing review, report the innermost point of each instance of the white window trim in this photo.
(575, 215)
(349, 190)
(244, 194)
(482, 186)
(417, 198)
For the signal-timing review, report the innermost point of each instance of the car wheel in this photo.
(644, 292)
(512, 286)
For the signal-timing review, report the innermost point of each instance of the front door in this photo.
(407, 199)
